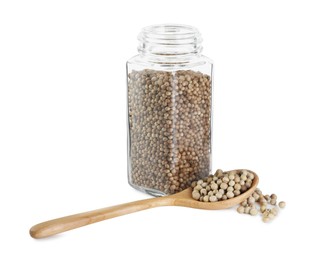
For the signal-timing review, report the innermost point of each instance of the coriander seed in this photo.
(240, 209)
(253, 212)
(213, 198)
(247, 209)
(195, 195)
(223, 185)
(273, 202)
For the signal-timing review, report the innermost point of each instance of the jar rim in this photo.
(172, 31)
(169, 39)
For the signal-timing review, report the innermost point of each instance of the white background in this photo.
(63, 127)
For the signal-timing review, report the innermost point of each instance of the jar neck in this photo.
(169, 43)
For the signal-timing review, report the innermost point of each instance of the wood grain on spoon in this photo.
(183, 199)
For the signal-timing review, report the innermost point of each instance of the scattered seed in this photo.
(267, 198)
(253, 212)
(266, 213)
(240, 209)
(274, 211)
(244, 203)
(263, 208)
(273, 202)
(251, 200)
(273, 196)
(282, 204)
(247, 209)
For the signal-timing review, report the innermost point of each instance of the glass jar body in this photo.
(169, 109)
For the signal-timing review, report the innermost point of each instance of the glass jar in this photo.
(169, 86)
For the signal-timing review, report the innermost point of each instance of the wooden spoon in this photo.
(182, 198)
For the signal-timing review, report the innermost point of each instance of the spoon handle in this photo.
(63, 224)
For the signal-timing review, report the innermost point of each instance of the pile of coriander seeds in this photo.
(266, 205)
(222, 185)
(169, 128)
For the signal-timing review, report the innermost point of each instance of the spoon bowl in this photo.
(183, 198)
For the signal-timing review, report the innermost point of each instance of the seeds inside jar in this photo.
(169, 128)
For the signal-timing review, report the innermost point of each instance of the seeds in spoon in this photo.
(203, 191)
(232, 176)
(212, 198)
(218, 195)
(243, 177)
(230, 188)
(248, 183)
(204, 184)
(221, 185)
(198, 187)
(199, 182)
(230, 194)
(236, 192)
(219, 173)
(221, 191)
(225, 179)
(214, 186)
(237, 186)
(231, 183)
(196, 195)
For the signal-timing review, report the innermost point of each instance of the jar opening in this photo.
(169, 39)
